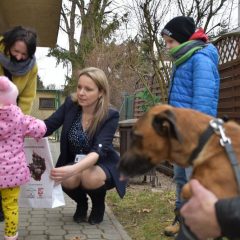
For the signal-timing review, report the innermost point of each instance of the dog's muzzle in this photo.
(133, 164)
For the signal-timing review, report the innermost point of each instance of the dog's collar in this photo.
(202, 141)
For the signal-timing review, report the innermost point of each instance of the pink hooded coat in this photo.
(14, 127)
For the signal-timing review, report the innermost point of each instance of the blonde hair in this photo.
(101, 110)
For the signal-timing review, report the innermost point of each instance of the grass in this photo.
(142, 212)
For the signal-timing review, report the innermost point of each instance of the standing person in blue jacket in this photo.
(88, 127)
(194, 83)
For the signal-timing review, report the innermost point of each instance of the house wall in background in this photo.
(41, 109)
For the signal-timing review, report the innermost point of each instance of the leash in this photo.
(215, 126)
(185, 233)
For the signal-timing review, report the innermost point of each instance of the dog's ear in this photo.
(164, 124)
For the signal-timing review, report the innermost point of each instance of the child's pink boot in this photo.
(11, 238)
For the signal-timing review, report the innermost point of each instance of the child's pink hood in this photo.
(8, 92)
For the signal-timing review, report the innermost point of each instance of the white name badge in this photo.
(79, 157)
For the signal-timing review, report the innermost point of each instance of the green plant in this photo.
(149, 99)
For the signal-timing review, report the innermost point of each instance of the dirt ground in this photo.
(159, 182)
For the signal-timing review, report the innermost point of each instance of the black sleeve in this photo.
(228, 215)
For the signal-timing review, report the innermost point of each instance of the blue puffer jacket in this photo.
(195, 83)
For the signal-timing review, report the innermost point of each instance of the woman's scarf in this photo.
(185, 50)
(17, 68)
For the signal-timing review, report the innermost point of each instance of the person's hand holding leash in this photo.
(199, 212)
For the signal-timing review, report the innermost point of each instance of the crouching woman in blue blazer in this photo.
(88, 127)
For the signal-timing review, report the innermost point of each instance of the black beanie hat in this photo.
(180, 28)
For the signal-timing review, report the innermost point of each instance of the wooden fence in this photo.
(229, 69)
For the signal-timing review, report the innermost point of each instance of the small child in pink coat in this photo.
(14, 127)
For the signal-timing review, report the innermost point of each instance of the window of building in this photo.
(46, 103)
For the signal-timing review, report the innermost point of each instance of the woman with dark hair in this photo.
(87, 165)
(18, 63)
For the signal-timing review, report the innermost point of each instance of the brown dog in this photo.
(172, 134)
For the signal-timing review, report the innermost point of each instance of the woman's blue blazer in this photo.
(101, 142)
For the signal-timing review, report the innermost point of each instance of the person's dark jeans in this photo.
(180, 179)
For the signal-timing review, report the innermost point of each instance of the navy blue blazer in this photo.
(101, 142)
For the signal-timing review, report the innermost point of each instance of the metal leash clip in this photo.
(217, 125)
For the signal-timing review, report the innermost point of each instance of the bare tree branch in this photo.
(80, 4)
